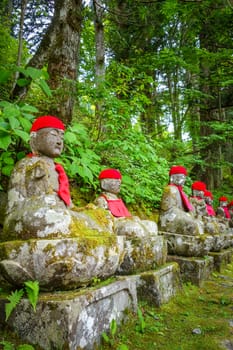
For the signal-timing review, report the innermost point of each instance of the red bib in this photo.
(63, 191)
(187, 205)
(210, 210)
(227, 214)
(117, 207)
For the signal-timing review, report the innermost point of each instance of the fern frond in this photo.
(32, 290)
(14, 298)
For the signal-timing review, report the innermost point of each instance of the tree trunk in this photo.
(211, 153)
(20, 45)
(59, 51)
(100, 56)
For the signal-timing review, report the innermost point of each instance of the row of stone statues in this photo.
(39, 193)
(53, 235)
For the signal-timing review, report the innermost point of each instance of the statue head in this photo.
(177, 175)
(46, 136)
(198, 189)
(110, 180)
(208, 197)
(223, 201)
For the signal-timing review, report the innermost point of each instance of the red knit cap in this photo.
(47, 121)
(208, 194)
(110, 174)
(177, 169)
(223, 199)
(230, 204)
(199, 186)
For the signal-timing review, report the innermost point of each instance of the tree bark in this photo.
(59, 51)
(100, 56)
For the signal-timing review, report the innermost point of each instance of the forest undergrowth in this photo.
(197, 318)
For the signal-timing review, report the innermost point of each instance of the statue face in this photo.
(198, 193)
(208, 200)
(178, 179)
(223, 204)
(111, 185)
(48, 142)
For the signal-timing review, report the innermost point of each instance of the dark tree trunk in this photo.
(100, 57)
(59, 51)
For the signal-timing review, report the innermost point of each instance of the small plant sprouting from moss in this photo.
(31, 289)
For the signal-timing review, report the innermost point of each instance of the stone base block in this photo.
(157, 287)
(194, 269)
(76, 319)
(143, 254)
(222, 258)
(73, 319)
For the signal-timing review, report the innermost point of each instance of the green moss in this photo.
(171, 326)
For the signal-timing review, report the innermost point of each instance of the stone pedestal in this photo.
(73, 319)
(76, 319)
(157, 287)
(194, 269)
(222, 258)
(142, 254)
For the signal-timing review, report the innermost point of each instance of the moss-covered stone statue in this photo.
(45, 237)
(222, 209)
(209, 199)
(178, 222)
(124, 222)
(202, 211)
(144, 248)
(197, 199)
(177, 213)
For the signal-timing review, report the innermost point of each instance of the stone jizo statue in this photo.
(45, 237)
(123, 222)
(197, 198)
(208, 197)
(177, 213)
(222, 210)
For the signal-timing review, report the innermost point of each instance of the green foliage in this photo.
(16, 119)
(144, 171)
(32, 292)
(171, 325)
(141, 325)
(9, 346)
(110, 338)
(78, 157)
(38, 76)
(14, 133)
(14, 298)
(31, 289)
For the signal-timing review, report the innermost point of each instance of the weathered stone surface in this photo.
(222, 241)
(75, 319)
(157, 287)
(222, 258)
(134, 227)
(184, 245)
(61, 263)
(193, 269)
(173, 218)
(142, 254)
